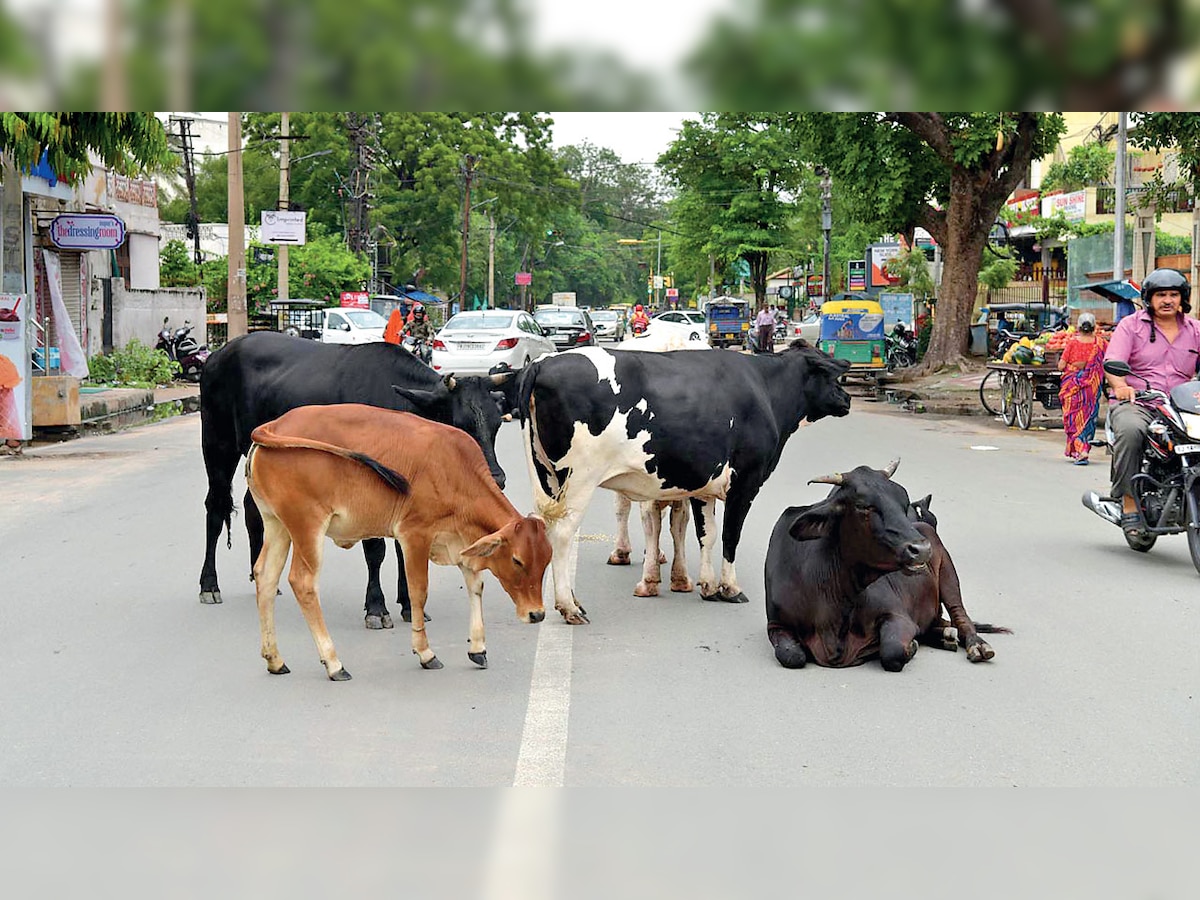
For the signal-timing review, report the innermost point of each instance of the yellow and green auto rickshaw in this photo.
(852, 329)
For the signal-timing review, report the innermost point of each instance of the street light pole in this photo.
(284, 201)
(826, 226)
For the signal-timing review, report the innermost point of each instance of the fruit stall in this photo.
(1028, 371)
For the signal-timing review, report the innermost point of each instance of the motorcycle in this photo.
(183, 349)
(1167, 485)
(420, 349)
(900, 347)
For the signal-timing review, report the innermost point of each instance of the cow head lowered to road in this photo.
(260, 376)
(863, 573)
(664, 426)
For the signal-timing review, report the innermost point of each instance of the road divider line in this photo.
(542, 759)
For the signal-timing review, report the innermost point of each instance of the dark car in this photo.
(567, 326)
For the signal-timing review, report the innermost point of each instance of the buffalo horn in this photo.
(835, 478)
(500, 377)
(450, 383)
(891, 467)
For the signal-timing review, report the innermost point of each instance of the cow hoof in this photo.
(682, 587)
(210, 596)
(619, 558)
(282, 670)
(434, 663)
(646, 589)
(790, 653)
(575, 618)
(339, 675)
(950, 639)
(406, 615)
(739, 597)
(480, 659)
(980, 652)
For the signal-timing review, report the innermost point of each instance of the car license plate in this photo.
(1187, 448)
(469, 345)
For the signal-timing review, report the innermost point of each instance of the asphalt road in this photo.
(117, 675)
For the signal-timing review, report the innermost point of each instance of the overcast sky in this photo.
(636, 137)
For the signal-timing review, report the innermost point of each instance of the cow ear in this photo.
(485, 546)
(814, 522)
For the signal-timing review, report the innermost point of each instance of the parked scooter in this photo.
(1166, 488)
(901, 347)
(183, 349)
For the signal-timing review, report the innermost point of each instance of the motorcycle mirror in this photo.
(1117, 367)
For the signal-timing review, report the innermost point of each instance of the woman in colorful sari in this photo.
(1081, 365)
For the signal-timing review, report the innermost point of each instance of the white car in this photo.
(474, 342)
(808, 328)
(352, 326)
(686, 323)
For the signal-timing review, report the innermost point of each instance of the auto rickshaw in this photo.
(852, 329)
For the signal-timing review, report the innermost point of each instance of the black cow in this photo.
(863, 573)
(664, 426)
(260, 376)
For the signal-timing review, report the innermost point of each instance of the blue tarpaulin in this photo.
(1121, 292)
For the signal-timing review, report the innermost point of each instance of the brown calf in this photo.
(335, 470)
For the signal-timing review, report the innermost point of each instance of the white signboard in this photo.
(1072, 205)
(280, 226)
(87, 232)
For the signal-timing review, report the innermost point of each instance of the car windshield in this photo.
(479, 322)
(559, 318)
(365, 318)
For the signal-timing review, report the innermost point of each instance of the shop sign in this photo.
(87, 231)
(356, 299)
(283, 226)
(1073, 206)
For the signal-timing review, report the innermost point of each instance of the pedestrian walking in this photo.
(1083, 373)
(764, 323)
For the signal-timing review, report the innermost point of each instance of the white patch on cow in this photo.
(605, 363)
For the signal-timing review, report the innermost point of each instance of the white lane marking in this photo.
(542, 759)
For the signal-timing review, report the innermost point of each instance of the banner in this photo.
(74, 361)
(15, 369)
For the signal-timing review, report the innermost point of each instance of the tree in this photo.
(175, 266)
(129, 143)
(1086, 164)
(737, 175)
(1181, 133)
(962, 169)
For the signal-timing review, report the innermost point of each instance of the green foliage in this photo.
(911, 266)
(135, 365)
(130, 143)
(997, 274)
(176, 267)
(216, 284)
(1086, 165)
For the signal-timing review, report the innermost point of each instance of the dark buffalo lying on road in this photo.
(260, 376)
(666, 426)
(861, 574)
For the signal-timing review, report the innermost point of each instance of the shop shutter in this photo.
(69, 263)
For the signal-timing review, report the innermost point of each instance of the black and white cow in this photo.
(864, 574)
(665, 426)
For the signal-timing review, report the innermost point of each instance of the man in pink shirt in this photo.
(1161, 343)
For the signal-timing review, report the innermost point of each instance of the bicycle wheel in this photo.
(1023, 400)
(1008, 400)
(985, 389)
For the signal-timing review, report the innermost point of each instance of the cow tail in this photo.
(985, 628)
(525, 391)
(391, 477)
(394, 479)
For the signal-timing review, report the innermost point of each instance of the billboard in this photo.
(878, 256)
(282, 226)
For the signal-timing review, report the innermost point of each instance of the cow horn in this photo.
(499, 378)
(890, 470)
(450, 383)
(835, 478)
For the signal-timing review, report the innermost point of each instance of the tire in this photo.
(1024, 401)
(292, 331)
(1192, 511)
(1008, 400)
(983, 391)
(1143, 542)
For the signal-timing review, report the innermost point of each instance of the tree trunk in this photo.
(965, 240)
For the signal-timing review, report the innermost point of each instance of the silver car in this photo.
(472, 343)
(609, 324)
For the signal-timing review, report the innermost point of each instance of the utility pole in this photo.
(1119, 206)
(468, 170)
(285, 161)
(658, 270)
(189, 179)
(361, 131)
(826, 227)
(491, 294)
(237, 231)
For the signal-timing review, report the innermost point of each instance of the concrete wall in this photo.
(139, 313)
(143, 261)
